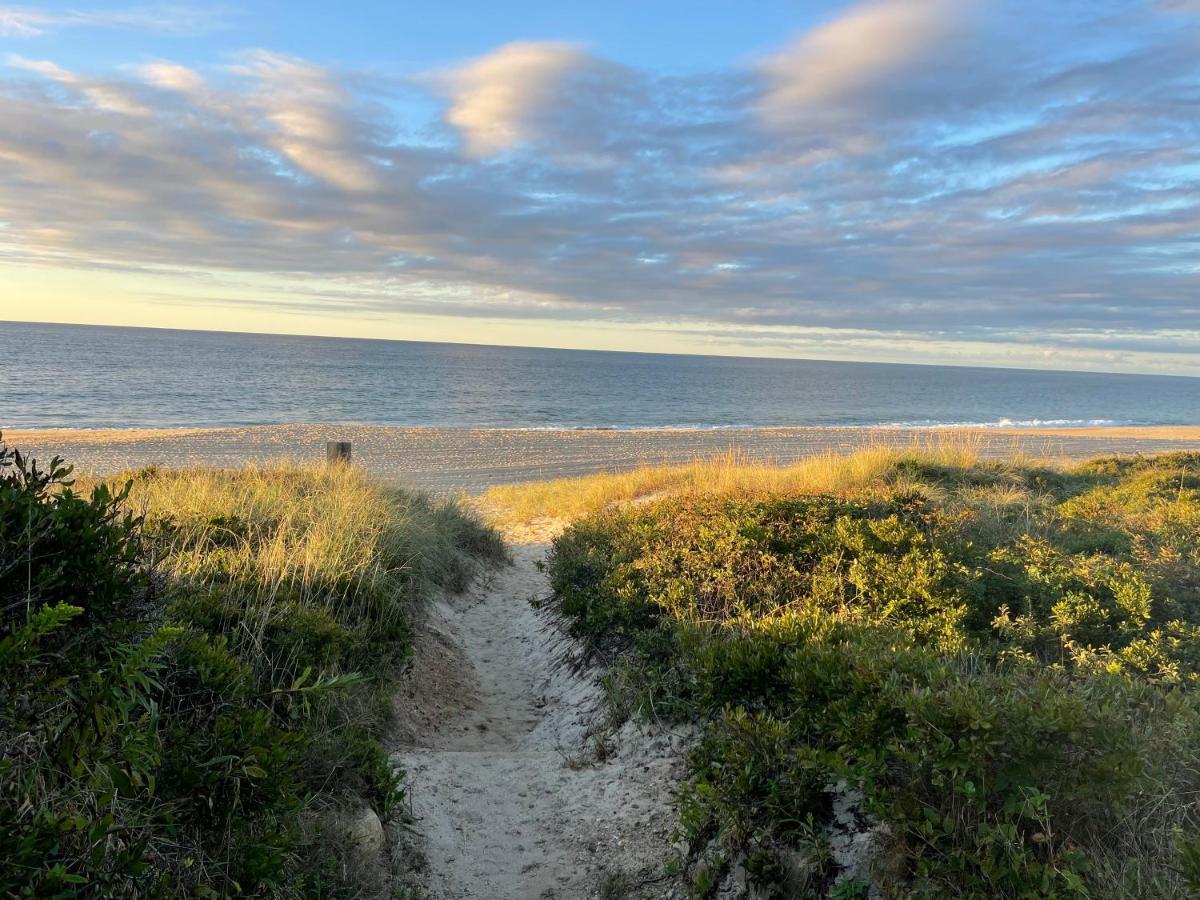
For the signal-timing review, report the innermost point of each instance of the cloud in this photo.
(1047, 196)
(519, 93)
(309, 120)
(843, 62)
(22, 22)
(107, 96)
(29, 22)
(171, 76)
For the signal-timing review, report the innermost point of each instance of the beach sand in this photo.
(472, 459)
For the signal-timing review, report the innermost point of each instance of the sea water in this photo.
(97, 377)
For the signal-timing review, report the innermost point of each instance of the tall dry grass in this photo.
(278, 528)
(733, 473)
(281, 539)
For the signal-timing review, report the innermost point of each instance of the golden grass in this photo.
(731, 474)
(323, 535)
(301, 548)
(274, 526)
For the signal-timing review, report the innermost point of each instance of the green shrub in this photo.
(61, 546)
(1000, 660)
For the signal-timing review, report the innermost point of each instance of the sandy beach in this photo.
(470, 460)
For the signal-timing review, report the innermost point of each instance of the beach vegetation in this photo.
(732, 473)
(195, 672)
(983, 670)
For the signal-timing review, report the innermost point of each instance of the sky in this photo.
(972, 182)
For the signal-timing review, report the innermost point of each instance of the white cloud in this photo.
(310, 120)
(171, 76)
(107, 96)
(29, 22)
(838, 64)
(16, 22)
(497, 101)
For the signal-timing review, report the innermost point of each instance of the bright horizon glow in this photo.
(990, 183)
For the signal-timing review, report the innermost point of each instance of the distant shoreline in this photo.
(472, 459)
(137, 432)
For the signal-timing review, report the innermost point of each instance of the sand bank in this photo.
(471, 459)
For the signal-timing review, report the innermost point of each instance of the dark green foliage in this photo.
(60, 546)
(753, 784)
(1001, 662)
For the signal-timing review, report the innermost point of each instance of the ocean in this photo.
(80, 376)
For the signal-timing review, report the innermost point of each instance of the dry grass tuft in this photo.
(323, 533)
(733, 474)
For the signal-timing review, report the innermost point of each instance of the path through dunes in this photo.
(508, 796)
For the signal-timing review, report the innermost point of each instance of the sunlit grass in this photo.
(282, 538)
(735, 474)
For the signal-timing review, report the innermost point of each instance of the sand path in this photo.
(509, 796)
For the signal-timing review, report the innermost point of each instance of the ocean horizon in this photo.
(89, 376)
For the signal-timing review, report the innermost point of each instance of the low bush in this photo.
(195, 664)
(997, 661)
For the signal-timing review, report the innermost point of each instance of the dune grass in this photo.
(322, 542)
(735, 474)
(195, 672)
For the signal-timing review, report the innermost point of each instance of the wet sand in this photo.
(471, 459)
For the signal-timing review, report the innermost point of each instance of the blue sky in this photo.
(990, 182)
(668, 35)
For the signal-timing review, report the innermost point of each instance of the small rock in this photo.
(364, 833)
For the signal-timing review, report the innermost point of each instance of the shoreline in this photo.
(470, 460)
(1161, 432)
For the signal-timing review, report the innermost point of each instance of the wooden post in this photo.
(337, 452)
